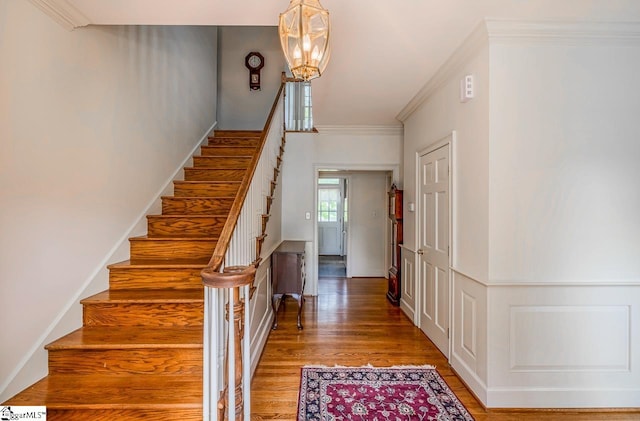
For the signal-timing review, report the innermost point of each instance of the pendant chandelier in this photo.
(304, 35)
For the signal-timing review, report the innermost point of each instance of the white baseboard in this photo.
(538, 397)
(469, 377)
(562, 398)
(407, 310)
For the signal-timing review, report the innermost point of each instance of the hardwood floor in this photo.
(351, 323)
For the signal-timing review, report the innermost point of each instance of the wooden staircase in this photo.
(138, 355)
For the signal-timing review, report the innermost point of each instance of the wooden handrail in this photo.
(227, 231)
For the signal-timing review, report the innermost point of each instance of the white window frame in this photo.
(298, 113)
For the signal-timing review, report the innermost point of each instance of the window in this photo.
(328, 181)
(328, 200)
(298, 116)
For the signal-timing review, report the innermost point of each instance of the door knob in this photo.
(420, 252)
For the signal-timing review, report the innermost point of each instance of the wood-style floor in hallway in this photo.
(351, 323)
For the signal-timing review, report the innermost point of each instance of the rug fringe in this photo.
(425, 366)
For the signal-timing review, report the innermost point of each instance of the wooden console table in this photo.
(287, 276)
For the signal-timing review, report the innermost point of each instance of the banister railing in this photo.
(220, 250)
(227, 355)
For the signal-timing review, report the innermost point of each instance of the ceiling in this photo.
(383, 51)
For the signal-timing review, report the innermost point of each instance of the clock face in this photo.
(254, 61)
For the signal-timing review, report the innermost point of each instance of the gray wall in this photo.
(238, 106)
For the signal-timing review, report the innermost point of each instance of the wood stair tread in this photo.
(67, 391)
(237, 133)
(161, 264)
(147, 296)
(175, 216)
(227, 150)
(225, 156)
(172, 238)
(230, 146)
(136, 337)
(216, 168)
(205, 182)
(184, 236)
(198, 197)
(239, 136)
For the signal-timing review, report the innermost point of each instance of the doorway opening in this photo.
(332, 219)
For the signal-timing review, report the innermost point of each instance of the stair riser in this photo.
(205, 227)
(238, 133)
(251, 142)
(221, 162)
(155, 279)
(159, 361)
(187, 189)
(195, 206)
(165, 414)
(143, 314)
(227, 151)
(171, 249)
(208, 174)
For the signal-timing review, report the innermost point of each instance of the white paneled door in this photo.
(434, 246)
(330, 220)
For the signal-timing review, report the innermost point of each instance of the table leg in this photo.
(275, 303)
(300, 299)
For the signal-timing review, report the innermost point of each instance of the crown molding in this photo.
(496, 31)
(563, 31)
(469, 47)
(362, 130)
(62, 12)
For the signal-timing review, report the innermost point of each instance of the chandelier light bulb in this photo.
(306, 43)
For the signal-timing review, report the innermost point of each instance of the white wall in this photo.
(93, 123)
(344, 148)
(545, 276)
(568, 187)
(238, 106)
(564, 209)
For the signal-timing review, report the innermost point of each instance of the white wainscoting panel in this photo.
(408, 292)
(469, 332)
(261, 312)
(564, 346)
(561, 338)
(469, 318)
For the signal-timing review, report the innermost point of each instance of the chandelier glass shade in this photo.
(304, 35)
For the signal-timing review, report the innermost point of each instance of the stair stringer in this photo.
(261, 321)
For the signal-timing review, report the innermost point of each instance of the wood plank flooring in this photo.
(351, 323)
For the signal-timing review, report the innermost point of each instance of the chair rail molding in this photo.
(63, 12)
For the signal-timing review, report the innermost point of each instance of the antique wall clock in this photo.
(254, 62)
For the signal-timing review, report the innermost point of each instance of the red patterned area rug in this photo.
(377, 394)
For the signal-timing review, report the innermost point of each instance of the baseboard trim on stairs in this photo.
(122, 242)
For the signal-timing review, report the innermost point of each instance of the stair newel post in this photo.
(234, 402)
